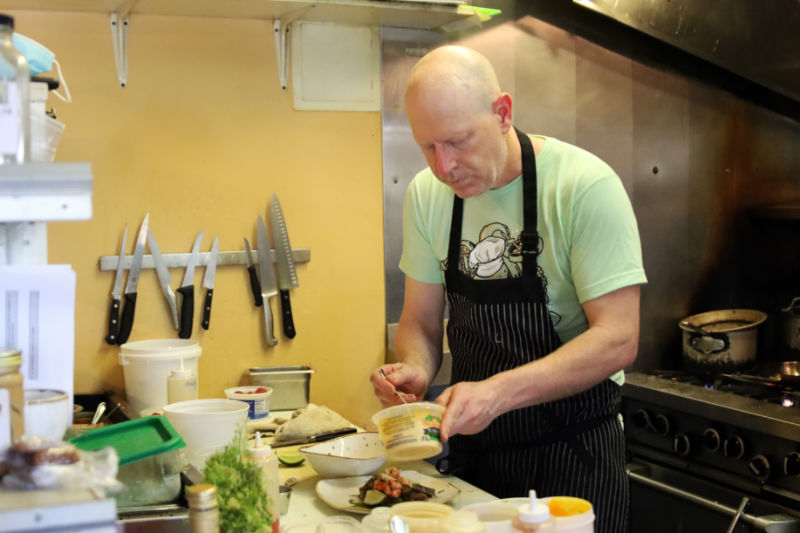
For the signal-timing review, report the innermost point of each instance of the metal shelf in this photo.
(43, 192)
(179, 260)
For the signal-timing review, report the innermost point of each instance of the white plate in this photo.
(337, 492)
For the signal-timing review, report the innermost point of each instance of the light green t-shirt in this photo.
(589, 239)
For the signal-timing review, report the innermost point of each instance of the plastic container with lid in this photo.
(422, 517)
(572, 515)
(377, 521)
(149, 457)
(534, 516)
(410, 431)
(267, 460)
(497, 516)
(12, 397)
(464, 522)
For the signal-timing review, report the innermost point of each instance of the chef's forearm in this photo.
(420, 345)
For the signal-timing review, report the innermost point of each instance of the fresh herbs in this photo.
(240, 493)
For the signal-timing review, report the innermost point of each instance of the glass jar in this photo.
(12, 396)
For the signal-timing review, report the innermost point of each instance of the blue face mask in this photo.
(40, 59)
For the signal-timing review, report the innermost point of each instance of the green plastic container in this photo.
(134, 439)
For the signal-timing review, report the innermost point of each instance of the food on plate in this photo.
(389, 487)
(290, 457)
(310, 421)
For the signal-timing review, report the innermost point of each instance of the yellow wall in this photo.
(201, 138)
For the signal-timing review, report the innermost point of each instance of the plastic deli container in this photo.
(290, 384)
(253, 396)
(207, 425)
(149, 458)
(573, 515)
(146, 365)
(410, 431)
(423, 517)
(496, 516)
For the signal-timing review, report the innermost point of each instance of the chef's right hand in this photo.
(410, 381)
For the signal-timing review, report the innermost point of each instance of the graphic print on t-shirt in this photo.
(496, 254)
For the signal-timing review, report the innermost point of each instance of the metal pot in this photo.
(723, 341)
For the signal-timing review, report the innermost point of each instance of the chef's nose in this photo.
(445, 160)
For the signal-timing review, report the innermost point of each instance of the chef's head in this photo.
(460, 119)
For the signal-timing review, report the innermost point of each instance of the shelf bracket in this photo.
(280, 27)
(120, 23)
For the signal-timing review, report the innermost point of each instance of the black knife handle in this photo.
(187, 310)
(126, 324)
(113, 322)
(255, 286)
(207, 308)
(286, 307)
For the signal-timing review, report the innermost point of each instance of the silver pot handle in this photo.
(762, 523)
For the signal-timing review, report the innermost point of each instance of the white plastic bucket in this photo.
(146, 365)
(206, 425)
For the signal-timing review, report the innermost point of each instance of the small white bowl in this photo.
(357, 454)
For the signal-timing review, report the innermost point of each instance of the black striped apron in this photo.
(569, 447)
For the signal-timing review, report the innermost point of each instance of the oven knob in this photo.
(681, 444)
(791, 464)
(641, 419)
(760, 467)
(661, 425)
(733, 447)
(711, 439)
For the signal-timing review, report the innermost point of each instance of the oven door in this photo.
(666, 500)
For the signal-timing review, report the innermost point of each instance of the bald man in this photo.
(535, 246)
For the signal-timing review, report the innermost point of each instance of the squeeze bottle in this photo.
(267, 460)
(181, 385)
(534, 517)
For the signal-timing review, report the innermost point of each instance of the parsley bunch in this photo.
(240, 492)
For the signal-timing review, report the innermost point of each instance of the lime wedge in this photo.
(290, 457)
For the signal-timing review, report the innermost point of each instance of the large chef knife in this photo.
(116, 293)
(287, 275)
(208, 282)
(267, 273)
(320, 437)
(255, 286)
(126, 324)
(164, 278)
(187, 291)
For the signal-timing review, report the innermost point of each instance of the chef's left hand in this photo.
(469, 408)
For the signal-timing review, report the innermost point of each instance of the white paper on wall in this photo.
(37, 317)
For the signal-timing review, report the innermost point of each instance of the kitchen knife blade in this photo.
(126, 324)
(315, 438)
(164, 277)
(255, 286)
(187, 291)
(267, 275)
(116, 293)
(287, 275)
(208, 282)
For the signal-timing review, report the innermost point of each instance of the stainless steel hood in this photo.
(757, 40)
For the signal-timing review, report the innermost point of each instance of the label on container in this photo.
(5, 419)
(9, 118)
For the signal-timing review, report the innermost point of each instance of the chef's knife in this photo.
(164, 277)
(267, 274)
(126, 324)
(116, 293)
(287, 275)
(208, 282)
(315, 438)
(187, 291)
(255, 286)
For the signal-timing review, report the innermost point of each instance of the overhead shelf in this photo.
(430, 15)
(45, 192)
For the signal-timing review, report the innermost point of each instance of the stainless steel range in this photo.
(714, 456)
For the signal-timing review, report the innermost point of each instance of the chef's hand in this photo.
(408, 380)
(469, 408)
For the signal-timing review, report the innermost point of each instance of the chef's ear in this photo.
(502, 108)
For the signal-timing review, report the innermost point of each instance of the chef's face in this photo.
(461, 139)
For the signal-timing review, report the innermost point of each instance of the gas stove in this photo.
(735, 437)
